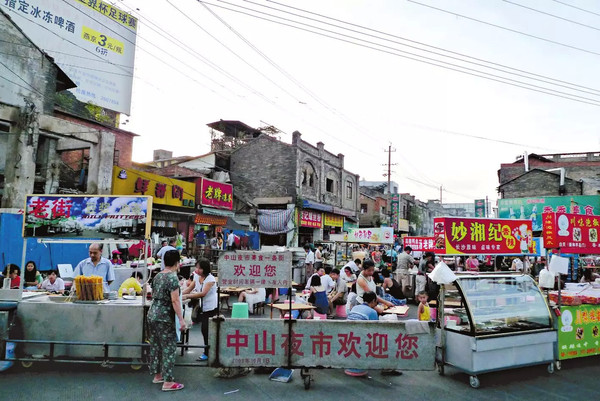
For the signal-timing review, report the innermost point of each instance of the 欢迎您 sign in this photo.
(255, 269)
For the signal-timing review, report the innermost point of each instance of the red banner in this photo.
(572, 233)
(310, 219)
(215, 194)
(421, 244)
(464, 236)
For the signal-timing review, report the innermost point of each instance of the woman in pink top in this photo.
(472, 264)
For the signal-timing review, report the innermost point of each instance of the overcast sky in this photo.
(447, 128)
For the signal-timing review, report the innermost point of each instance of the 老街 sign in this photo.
(330, 344)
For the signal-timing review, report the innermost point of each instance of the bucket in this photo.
(239, 310)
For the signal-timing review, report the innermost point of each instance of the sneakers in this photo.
(202, 358)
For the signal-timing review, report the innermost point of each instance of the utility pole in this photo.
(389, 178)
(441, 194)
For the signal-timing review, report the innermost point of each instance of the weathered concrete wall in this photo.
(539, 183)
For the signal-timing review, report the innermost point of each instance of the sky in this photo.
(200, 61)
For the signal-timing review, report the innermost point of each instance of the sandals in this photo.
(173, 387)
(158, 381)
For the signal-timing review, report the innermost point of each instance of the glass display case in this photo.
(491, 322)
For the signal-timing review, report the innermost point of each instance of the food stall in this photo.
(369, 236)
(578, 304)
(490, 321)
(90, 326)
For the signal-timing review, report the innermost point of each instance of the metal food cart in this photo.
(491, 322)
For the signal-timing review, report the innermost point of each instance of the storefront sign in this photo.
(333, 220)
(381, 235)
(579, 331)
(395, 204)
(463, 236)
(480, 208)
(215, 194)
(327, 343)
(572, 233)
(164, 190)
(421, 244)
(210, 220)
(60, 216)
(532, 208)
(309, 218)
(255, 269)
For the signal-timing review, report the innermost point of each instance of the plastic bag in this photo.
(442, 274)
(546, 279)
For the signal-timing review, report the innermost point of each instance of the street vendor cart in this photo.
(490, 322)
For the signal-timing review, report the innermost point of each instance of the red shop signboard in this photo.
(420, 244)
(477, 236)
(216, 194)
(310, 219)
(572, 233)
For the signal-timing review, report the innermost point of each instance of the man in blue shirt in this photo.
(96, 265)
(365, 311)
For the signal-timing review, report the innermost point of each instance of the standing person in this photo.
(540, 265)
(116, 259)
(405, 263)
(309, 262)
(220, 242)
(517, 265)
(423, 311)
(33, 278)
(230, 241)
(96, 265)
(170, 246)
(319, 256)
(206, 291)
(161, 322)
(179, 242)
(365, 284)
(459, 263)
(526, 265)
(425, 266)
(472, 264)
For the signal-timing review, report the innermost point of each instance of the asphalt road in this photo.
(577, 380)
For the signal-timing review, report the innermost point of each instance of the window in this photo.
(303, 177)
(311, 180)
(348, 189)
(116, 157)
(363, 208)
(382, 210)
(329, 185)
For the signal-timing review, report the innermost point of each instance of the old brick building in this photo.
(295, 178)
(550, 175)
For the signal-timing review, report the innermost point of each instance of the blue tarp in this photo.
(45, 256)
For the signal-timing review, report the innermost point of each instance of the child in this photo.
(423, 311)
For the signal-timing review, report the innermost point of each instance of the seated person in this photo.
(354, 265)
(33, 278)
(318, 296)
(348, 276)
(133, 282)
(12, 272)
(338, 296)
(252, 297)
(53, 283)
(589, 276)
(116, 258)
(392, 289)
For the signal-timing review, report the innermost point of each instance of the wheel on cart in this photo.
(551, 368)
(136, 364)
(26, 364)
(306, 382)
(474, 381)
(557, 365)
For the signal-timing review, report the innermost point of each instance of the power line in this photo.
(434, 62)
(551, 15)
(18, 76)
(578, 8)
(505, 28)
(413, 41)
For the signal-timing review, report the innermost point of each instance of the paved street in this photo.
(44, 381)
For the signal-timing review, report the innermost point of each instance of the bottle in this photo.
(533, 217)
(522, 216)
(512, 214)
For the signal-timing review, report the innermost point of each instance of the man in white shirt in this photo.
(309, 263)
(161, 252)
(326, 280)
(517, 265)
(231, 241)
(405, 263)
(354, 265)
(319, 256)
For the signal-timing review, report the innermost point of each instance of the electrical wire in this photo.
(416, 42)
(445, 65)
(551, 15)
(575, 7)
(18, 76)
(505, 28)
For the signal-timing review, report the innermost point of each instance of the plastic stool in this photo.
(340, 311)
(239, 310)
(321, 316)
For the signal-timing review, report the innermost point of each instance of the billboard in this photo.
(92, 41)
(480, 208)
(420, 244)
(472, 236)
(381, 235)
(578, 331)
(215, 194)
(532, 208)
(395, 205)
(310, 219)
(333, 220)
(71, 216)
(571, 233)
(164, 190)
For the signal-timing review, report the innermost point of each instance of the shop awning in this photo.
(210, 220)
(217, 212)
(273, 222)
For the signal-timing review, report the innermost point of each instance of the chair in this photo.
(239, 310)
(340, 311)
(224, 297)
(318, 315)
(258, 307)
